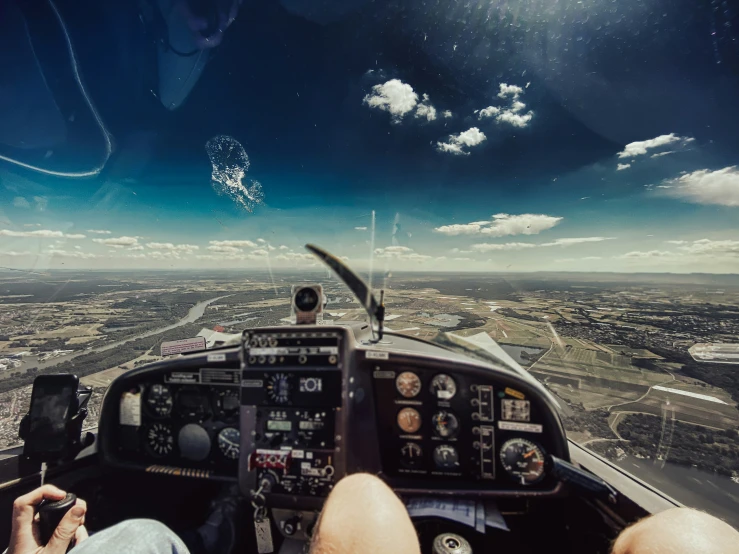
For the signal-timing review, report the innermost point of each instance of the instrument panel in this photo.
(458, 429)
(294, 409)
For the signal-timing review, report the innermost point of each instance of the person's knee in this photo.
(363, 514)
(676, 531)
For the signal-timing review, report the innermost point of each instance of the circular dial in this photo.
(278, 388)
(159, 400)
(192, 403)
(410, 454)
(446, 424)
(409, 420)
(443, 387)
(160, 439)
(306, 299)
(408, 384)
(228, 442)
(227, 402)
(446, 457)
(523, 460)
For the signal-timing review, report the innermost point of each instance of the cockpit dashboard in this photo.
(293, 409)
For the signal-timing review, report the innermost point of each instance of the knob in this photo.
(51, 513)
(475, 416)
(475, 430)
(476, 445)
(267, 482)
(289, 526)
(475, 402)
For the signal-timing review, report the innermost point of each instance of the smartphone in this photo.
(53, 401)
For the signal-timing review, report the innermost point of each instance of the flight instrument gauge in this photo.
(408, 384)
(446, 424)
(159, 400)
(409, 420)
(228, 442)
(523, 460)
(160, 439)
(446, 457)
(443, 387)
(227, 402)
(278, 388)
(410, 454)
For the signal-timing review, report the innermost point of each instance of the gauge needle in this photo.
(529, 453)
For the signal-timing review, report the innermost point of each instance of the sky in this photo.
(468, 136)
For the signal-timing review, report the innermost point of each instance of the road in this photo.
(195, 313)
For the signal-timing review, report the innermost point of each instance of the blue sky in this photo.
(478, 144)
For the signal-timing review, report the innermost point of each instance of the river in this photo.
(195, 313)
(696, 488)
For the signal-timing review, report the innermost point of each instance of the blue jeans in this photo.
(134, 536)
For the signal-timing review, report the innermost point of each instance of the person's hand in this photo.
(25, 535)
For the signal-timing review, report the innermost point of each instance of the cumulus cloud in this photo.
(720, 187)
(118, 242)
(513, 113)
(20, 202)
(39, 233)
(172, 247)
(295, 256)
(490, 247)
(509, 91)
(283, 247)
(641, 147)
(621, 167)
(502, 225)
(709, 247)
(223, 249)
(640, 254)
(70, 254)
(446, 114)
(98, 231)
(402, 253)
(576, 240)
(456, 143)
(393, 96)
(234, 243)
(259, 252)
(425, 109)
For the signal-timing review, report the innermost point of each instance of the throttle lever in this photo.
(50, 513)
(581, 479)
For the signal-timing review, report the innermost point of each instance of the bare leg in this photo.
(678, 531)
(362, 515)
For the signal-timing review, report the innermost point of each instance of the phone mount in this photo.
(74, 443)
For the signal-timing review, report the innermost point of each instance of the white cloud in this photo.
(488, 247)
(517, 120)
(507, 91)
(621, 167)
(394, 96)
(457, 143)
(677, 242)
(20, 202)
(711, 247)
(660, 154)
(223, 249)
(360, 228)
(32, 225)
(640, 254)
(259, 252)
(524, 224)
(98, 231)
(461, 229)
(13, 253)
(502, 225)
(446, 114)
(295, 256)
(576, 240)
(235, 243)
(283, 247)
(704, 186)
(512, 114)
(172, 247)
(640, 147)
(425, 109)
(40, 233)
(118, 242)
(402, 253)
(135, 248)
(490, 111)
(261, 241)
(72, 254)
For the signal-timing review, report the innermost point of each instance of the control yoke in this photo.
(375, 309)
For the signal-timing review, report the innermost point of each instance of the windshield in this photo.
(557, 177)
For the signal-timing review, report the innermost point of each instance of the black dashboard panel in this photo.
(297, 408)
(459, 428)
